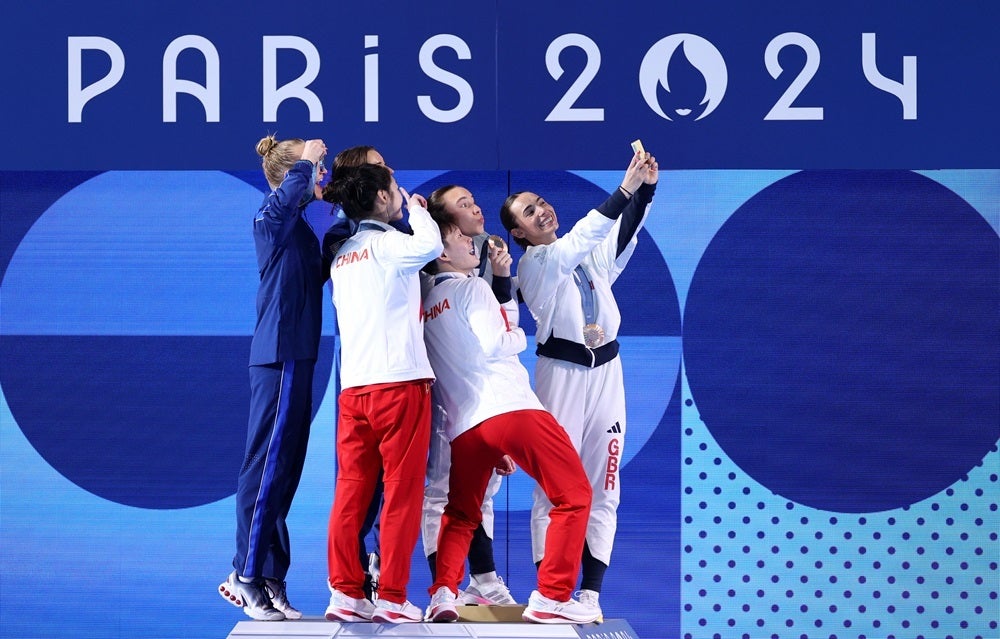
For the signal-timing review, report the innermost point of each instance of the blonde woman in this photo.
(282, 360)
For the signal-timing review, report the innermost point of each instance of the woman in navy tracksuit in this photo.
(282, 359)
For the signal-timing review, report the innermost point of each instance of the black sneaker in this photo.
(279, 598)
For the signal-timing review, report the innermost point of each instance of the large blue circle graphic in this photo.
(126, 335)
(842, 338)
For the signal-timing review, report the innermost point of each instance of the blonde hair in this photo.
(277, 157)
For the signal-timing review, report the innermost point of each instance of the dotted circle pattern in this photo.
(755, 564)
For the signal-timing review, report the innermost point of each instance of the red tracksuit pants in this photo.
(381, 427)
(540, 446)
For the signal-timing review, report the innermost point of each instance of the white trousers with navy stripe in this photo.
(590, 404)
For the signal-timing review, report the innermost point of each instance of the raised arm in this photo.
(412, 252)
(281, 209)
(284, 205)
(637, 208)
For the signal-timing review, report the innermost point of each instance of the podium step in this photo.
(491, 614)
(320, 628)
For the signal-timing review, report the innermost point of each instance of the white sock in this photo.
(485, 577)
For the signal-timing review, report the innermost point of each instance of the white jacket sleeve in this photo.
(496, 336)
(607, 255)
(411, 252)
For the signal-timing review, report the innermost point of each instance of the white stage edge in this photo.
(320, 628)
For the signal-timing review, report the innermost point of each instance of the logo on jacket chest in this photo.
(351, 257)
(437, 309)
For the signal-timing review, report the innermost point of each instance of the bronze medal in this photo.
(496, 242)
(593, 335)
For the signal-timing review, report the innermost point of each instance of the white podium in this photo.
(320, 628)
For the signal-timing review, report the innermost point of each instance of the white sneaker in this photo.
(389, 612)
(591, 599)
(442, 606)
(488, 591)
(541, 609)
(279, 598)
(251, 596)
(344, 608)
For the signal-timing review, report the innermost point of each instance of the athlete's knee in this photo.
(465, 518)
(576, 497)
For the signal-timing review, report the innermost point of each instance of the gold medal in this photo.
(593, 335)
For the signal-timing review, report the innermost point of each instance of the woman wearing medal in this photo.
(457, 204)
(566, 284)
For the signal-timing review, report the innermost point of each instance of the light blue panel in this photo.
(688, 209)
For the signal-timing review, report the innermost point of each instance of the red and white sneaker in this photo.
(344, 608)
(442, 606)
(389, 612)
(541, 609)
(251, 596)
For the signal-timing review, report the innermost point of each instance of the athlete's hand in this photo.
(499, 257)
(314, 151)
(653, 172)
(413, 200)
(505, 466)
(637, 171)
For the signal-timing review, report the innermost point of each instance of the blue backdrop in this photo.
(811, 323)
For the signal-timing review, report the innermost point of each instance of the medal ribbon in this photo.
(371, 226)
(445, 277)
(586, 286)
(485, 249)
